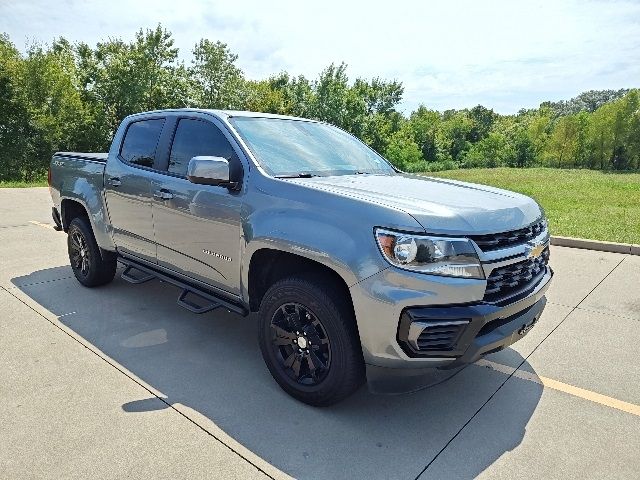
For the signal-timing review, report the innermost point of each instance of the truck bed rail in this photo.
(93, 157)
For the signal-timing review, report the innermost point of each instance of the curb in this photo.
(596, 245)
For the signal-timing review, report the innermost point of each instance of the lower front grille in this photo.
(439, 336)
(517, 278)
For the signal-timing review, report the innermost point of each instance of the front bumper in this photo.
(400, 366)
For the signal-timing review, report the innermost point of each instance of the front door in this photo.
(197, 227)
(127, 188)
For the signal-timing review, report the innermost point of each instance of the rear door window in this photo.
(141, 141)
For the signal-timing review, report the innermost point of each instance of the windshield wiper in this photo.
(298, 175)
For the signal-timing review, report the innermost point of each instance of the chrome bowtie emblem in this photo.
(535, 250)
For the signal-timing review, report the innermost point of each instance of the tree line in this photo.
(68, 96)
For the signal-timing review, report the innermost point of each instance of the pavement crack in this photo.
(126, 374)
(463, 426)
(41, 282)
(13, 226)
(573, 309)
(610, 314)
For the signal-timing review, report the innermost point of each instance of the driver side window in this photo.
(198, 137)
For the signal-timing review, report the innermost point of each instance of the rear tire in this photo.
(91, 266)
(309, 340)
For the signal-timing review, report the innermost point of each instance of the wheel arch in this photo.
(93, 210)
(268, 265)
(71, 208)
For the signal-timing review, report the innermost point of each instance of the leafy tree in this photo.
(539, 128)
(516, 129)
(218, 81)
(404, 153)
(492, 151)
(378, 129)
(424, 125)
(588, 101)
(601, 136)
(379, 96)
(330, 99)
(452, 138)
(562, 143)
(625, 132)
(16, 129)
(260, 96)
(482, 120)
(126, 78)
(57, 112)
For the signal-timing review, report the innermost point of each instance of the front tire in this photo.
(309, 340)
(91, 267)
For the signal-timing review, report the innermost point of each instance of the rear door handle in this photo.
(115, 182)
(162, 194)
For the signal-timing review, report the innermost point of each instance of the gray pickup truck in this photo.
(358, 272)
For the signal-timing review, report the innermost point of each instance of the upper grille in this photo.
(496, 241)
(510, 280)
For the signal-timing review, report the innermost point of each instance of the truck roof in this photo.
(226, 113)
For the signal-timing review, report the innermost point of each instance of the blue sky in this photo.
(448, 54)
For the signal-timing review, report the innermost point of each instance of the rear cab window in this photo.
(141, 142)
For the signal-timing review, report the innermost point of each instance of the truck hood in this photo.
(439, 205)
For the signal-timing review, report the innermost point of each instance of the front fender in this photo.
(346, 247)
(333, 230)
(351, 254)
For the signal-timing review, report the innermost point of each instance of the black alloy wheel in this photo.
(91, 265)
(79, 253)
(309, 339)
(301, 344)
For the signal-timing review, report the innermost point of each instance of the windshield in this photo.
(294, 147)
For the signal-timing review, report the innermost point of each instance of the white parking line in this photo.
(595, 397)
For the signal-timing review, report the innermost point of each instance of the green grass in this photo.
(21, 184)
(579, 203)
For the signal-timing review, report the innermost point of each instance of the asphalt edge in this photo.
(597, 245)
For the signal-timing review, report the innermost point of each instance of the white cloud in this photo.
(503, 54)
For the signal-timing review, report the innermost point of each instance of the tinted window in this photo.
(196, 137)
(140, 142)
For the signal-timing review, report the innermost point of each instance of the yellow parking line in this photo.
(611, 402)
(40, 224)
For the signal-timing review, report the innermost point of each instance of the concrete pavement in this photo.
(119, 382)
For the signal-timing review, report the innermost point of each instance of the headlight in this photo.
(453, 257)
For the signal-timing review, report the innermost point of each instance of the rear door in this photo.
(128, 188)
(197, 227)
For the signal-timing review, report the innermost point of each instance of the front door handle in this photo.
(162, 194)
(115, 182)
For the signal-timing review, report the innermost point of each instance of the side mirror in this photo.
(206, 170)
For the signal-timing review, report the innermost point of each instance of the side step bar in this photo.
(185, 300)
(126, 275)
